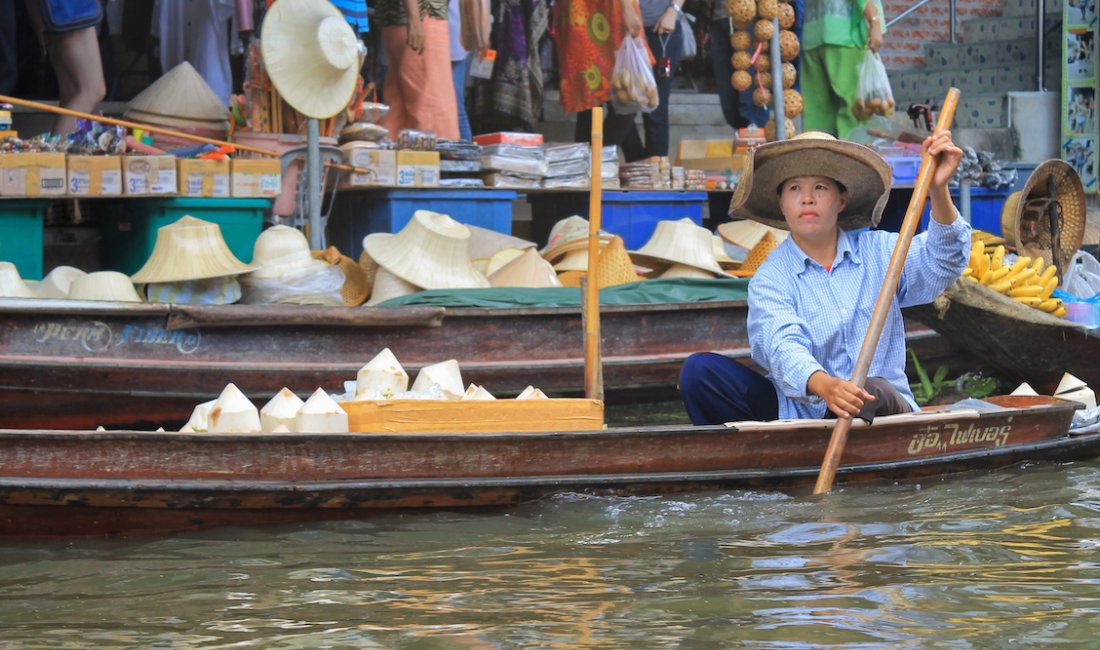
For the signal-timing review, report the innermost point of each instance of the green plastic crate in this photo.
(21, 235)
(129, 226)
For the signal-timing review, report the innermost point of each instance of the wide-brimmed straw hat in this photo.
(104, 285)
(569, 234)
(747, 233)
(721, 255)
(678, 242)
(386, 285)
(863, 172)
(56, 283)
(357, 284)
(1025, 216)
(484, 242)
(528, 270)
(431, 251)
(497, 260)
(614, 268)
(756, 257)
(182, 98)
(280, 250)
(11, 284)
(189, 249)
(311, 54)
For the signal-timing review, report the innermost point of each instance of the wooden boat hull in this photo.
(70, 365)
(72, 482)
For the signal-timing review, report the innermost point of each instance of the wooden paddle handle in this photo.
(886, 294)
(593, 364)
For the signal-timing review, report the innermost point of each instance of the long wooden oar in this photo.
(886, 294)
(593, 366)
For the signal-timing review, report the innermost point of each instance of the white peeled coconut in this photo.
(475, 392)
(321, 414)
(200, 417)
(531, 393)
(382, 377)
(234, 413)
(280, 409)
(445, 374)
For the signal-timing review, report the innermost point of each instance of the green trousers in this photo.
(830, 78)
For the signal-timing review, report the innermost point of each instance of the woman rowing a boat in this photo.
(810, 302)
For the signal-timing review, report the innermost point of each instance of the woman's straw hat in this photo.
(747, 234)
(357, 284)
(864, 173)
(571, 233)
(614, 268)
(679, 242)
(11, 284)
(1025, 217)
(56, 283)
(527, 270)
(182, 98)
(280, 250)
(756, 257)
(386, 286)
(311, 54)
(189, 249)
(104, 285)
(431, 251)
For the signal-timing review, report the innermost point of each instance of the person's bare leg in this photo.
(76, 61)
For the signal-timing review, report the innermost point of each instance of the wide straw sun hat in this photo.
(311, 54)
(747, 234)
(431, 251)
(679, 242)
(528, 270)
(614, 268)
(104, 285)
(180, 98)
(11, 284)
(1025, 217)
(864, 173)
(56, 283)
(280, 250)
(189, 249)
(569, 234)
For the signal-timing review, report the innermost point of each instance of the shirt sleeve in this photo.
(936, 258)
(779, 337)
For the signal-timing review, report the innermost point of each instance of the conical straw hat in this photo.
(1025, 217)
(104, 285)
(679, 242)
(574, 260)
(189, 249)
(615, 267)
(571, 233)
(386, 285)
(11, 285)
(280, 250)
(499, 259)
(57, 282)
(431, 251)
(720, 255)
(311, 54)
(484, 242)
(756, 257)
(527, 270)
(180, 98)
(747, 233)
(357, 285)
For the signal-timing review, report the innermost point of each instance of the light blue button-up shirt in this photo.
(803, 318)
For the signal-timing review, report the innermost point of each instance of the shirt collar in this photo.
(845, 246)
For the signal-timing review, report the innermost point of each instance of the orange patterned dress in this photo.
(587, 34)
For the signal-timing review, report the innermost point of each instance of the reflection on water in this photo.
(977, 561)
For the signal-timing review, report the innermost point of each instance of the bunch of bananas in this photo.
(1027, 281)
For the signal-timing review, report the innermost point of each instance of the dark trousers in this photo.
(717, 389)
(619, 129)
(9, 62)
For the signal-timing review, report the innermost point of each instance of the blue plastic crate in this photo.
(21, 235)
(904, 169)
(129, 226)
(491, 209)
(634, 215)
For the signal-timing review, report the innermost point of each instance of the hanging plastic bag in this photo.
(873, 94)
(633, 87)
(1082, 278)
(691, 46)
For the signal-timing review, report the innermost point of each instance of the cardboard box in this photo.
(737, 163)
(149, 175)
(382, 164)
(94, 175)
(473, 416)
(700, 149)
(256, 179)
(417, 169)
(32, 174)
(204, 178)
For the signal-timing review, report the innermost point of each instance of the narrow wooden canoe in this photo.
(79, 365)
(85, 482)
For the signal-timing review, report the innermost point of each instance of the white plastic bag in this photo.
(633, 87)
(873, 94)
(1082, 278)
(691, 47)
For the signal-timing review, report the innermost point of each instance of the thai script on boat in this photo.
(97, 336)
(936, 437)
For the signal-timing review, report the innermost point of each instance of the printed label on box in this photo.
(165, 183)
(112, 182)
(14, 181)
(80, 182)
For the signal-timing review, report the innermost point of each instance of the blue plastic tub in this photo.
(491, 209)
(985, 208)
(633, 215)
(21, 235)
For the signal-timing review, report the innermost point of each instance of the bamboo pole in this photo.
(886, 295)
(593, 365)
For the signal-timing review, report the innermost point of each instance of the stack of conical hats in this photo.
(181, 99)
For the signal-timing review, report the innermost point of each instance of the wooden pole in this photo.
(593, 365)
(886, 295)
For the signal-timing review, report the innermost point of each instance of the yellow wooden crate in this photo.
(473, 416)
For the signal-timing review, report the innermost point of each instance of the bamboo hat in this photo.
(1025, 217)
(679, 242)
(567, 235)
(104, 285)
(614, 268)
(357, 284)
(181, 97)
(11, 284)
(497, 261)
(311, 54)
(747, 234)
(720, 255)
(756, 257)
(527, 270)
(189, 249)
(386, 285)
(56, 283)
(484, 242)
(280, 250)
(431, 251)
(864, 173)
